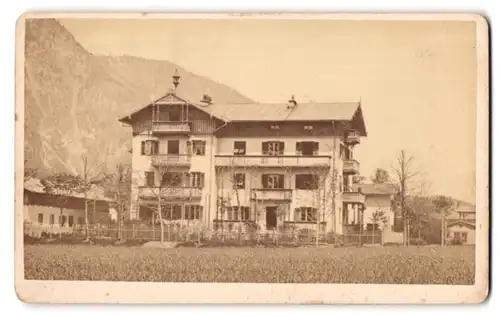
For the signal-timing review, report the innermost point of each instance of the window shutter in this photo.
(316, 147)
(264, 147)
(298, 147)
(143, 146)
(282, 147)
(281, 181)
(264, 180)
(202, 180)
(298, 181)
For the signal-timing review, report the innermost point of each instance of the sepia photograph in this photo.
(263, 158)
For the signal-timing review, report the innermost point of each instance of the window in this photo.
(149, 178)
(239, 181)
(345, 152)
(240, 148)
(149, 147)
(198, 147)
(461, 236)
(70, 221)
(236, 214)
(173, 147)
(307, 148)
(40, 219)
(52, 220)
(197, 179)
(275, 127)
(273, 181)
(306, 181)
(172, 212)
(193, 212)
(172, 179)
(306, 214)
(308, 127)
(62, 220)
(81, 221)
(273, 148)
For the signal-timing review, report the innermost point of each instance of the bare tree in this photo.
(119, 187)
(93, 174)
(444, 206)
(405, 180)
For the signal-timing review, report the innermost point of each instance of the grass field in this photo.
(393, 265)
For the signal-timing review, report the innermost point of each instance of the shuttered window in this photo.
(273, 181)
(307, 148)
(150, 147)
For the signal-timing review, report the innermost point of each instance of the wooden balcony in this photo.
(275, 194)
(171, 127)
(272, 161)
(353, 197)
(352, 137)
(351, 167)
(171, 160)
(177, 193)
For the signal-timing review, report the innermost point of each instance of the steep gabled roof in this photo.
(273, 112)
(35, 185)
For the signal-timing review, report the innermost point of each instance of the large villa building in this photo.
(288, 163)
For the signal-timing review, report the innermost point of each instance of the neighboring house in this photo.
(377, 197)
(55, 212)
(225, 163)
(462, 223)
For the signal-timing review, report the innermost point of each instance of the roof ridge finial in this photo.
(176, 79)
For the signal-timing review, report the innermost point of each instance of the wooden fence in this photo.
(177, 234)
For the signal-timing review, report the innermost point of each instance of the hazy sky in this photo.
(416, 80)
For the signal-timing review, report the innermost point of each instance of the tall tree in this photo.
(118, 186)
(405, 185)
(381, 176)
(444, 206)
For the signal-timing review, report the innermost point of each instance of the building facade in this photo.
(271, 165)
(461, 224)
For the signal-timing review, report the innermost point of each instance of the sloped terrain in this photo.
(74, 98)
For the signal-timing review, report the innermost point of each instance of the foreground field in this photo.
(393, 265)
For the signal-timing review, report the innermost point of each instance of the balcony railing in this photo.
(353, 197)
(271, 194)
(173, 127)
(352, 137)
(170, 193)
(272, 161)
(171, 160)
(351, 166)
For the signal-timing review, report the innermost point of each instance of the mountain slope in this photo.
(74, 98)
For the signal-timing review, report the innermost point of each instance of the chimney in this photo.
(206, 99)
(292, 103)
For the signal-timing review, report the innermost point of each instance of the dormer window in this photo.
(308, 127)
(275, 127)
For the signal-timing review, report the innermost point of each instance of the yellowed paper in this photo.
(249, 146)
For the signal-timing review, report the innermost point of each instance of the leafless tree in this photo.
(444, 206)
(118, 186)
(164, 181)
(405, 180)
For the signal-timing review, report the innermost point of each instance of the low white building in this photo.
(57, 213)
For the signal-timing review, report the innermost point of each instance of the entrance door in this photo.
(271, 217)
